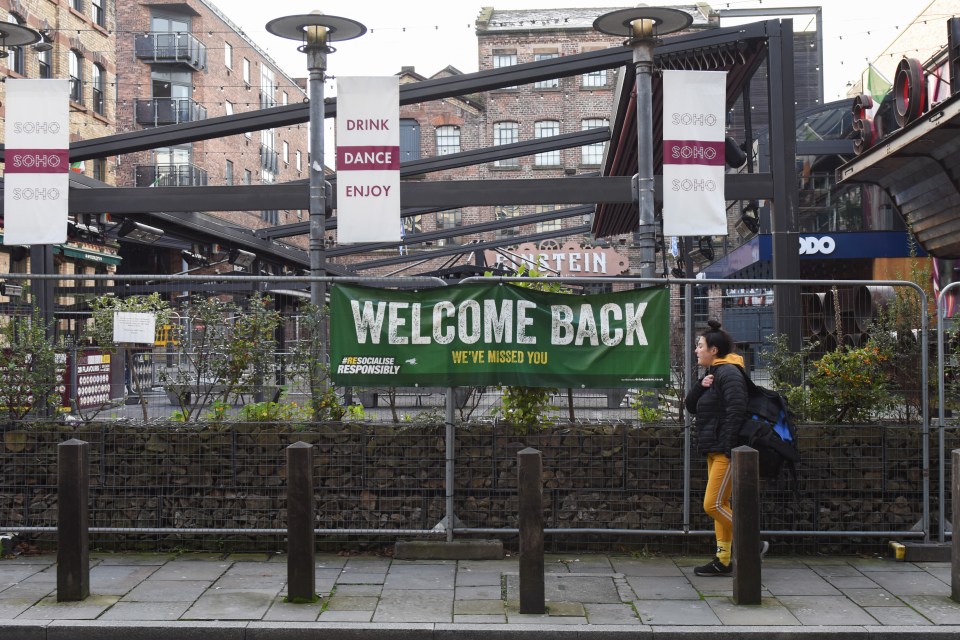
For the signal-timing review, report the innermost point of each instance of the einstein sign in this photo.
(486, 334)
(37, 167)
(571, 259)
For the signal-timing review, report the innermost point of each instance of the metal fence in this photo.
(618, 464)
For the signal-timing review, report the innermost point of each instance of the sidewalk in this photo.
(240, 596)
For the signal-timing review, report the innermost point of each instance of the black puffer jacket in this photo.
(720, 409)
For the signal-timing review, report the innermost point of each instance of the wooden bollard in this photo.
(301, 549)
(746, 525)
(73, 521)
(530, 485)
(955, 548)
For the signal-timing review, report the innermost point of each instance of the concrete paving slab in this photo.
(910, 583)
(566, 609)
(191, 570)
(281, 611)
(346, 616)
(666, 588)
(116, 579)
(843, 583)
(231, 605)
(23, 629)
(937, 609)
(832, 570)
(646, 567)
(122, 630)
(875, 597)
(492, 592)
(769, 613)
(325, 561)
(796, 582)
(867, 565)
(897, 616)
(479, 618)
(586, 589)
(515, 617)
(50, 609)
(359, 590)
(588, 564)
(167, 591)
(611, 614)
(414, 605)
(478, 607)
(470, 578)
(251, 568)
(155, 559)
(676, 612)
(355, 577)
(428, 576)
(12, 575)
(352, 603)
(134, 611)
(826, 610)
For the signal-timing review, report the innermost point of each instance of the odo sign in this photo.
(485, 334)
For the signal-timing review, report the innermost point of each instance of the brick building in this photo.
(183, 61)
(79, 43)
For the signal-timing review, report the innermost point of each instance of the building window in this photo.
(449, 219)
(412, 224)
(299, 163)
(504, 59)
(44, 60)
(97, 88)
(594, 79)
(77, 5)
(16, 62)
(228, 173)
(548, 225)
(76, 77)
(448, 140)
(100, 169)
(553, 83)
(246, 71)
(267, 87)
(271, 216)
(507, 212)
(247, 176)
(228, 55)
(284, 98)
(506, 133)
(228, 107)
(286, 152)
(409, 140)
(545, 129)
(592, 154)
(97, 14)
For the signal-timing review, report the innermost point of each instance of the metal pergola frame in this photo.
(177, 209)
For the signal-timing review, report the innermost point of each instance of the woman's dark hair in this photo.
(717, 337)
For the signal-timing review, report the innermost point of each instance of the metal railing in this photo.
(156, 112)
(172, 47)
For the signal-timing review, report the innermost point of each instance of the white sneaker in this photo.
(764, 547)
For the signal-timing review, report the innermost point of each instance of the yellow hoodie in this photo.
(730, 358)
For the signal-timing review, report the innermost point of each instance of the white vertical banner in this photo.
(37, 167)
(368, 159)
(694, 107)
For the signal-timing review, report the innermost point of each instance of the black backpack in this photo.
(771, 430)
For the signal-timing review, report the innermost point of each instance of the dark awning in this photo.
(919, 167)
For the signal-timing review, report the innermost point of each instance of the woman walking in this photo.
(719, 402)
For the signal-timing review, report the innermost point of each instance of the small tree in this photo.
(309, 354)
(104, 309)
(28, 368)
(227, 348)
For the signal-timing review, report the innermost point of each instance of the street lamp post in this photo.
(642, 26)
(315, 31)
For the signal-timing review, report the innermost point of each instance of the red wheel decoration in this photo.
(910, 91)
(863, 130)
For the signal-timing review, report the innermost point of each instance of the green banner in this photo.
(490, 333)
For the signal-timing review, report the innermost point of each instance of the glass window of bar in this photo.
(592, 154)
(545, 129)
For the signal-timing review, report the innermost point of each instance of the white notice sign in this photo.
(134, 327)
(368, 159)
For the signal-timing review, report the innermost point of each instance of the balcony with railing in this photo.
(170, 175)
(172, 48)
(156, 112)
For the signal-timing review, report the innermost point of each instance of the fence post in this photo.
(746, 525)
(301, 550)
(530, 485)
(73, 520)
(955, 548)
